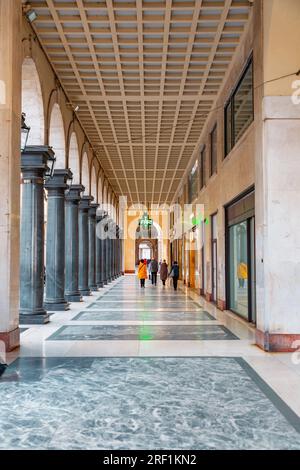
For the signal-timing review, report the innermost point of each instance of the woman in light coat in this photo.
(163, 272)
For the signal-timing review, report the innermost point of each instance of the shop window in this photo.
(239, 111)
(213, 151)
(193, 183)
(241, 257)
(202, 174)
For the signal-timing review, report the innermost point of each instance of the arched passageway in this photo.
(74, 158)
(94, 184)
(85, 174)
(57, 139)
(32, 102)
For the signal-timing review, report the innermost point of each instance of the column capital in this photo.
(74, 192)
(85, 202)
(101, 214)
(36, 157)
(59, 179)
(93, 210)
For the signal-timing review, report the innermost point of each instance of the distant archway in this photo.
(152, 237)
(32, 102)
(57, 139)
(100, 190)
(74, 158)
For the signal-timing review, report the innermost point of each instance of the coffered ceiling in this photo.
(145, 75)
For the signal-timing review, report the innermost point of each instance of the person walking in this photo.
(148, 268)
(142, 272)
(174, 274)
(154, 269)
(163, 272)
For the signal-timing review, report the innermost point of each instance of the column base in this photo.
(34, 318)
(105, 283)
(11, 339)
(73, 297)
(94, 288)
(60, 306)
(274, 342)
(100, 285)
(85, 292)
(221, 304)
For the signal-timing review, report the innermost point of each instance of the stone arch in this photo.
(154, 236)
(85, 173)
(99, 188)
(94, 183)
(104, 194)
(32, 102)
(109, 202)
(74, 158)
(57, 139)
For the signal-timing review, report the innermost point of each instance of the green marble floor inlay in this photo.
(144, 315)
(140, 332)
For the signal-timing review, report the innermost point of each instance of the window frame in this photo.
(193, 179)
(215, 170)
(202, 165)
(230, 102)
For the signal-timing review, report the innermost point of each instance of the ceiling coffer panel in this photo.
(145, 76)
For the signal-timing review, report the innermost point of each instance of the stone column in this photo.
(55, 250)
(108, 251)
(34, 165)
(112, 250)
(10, 111)
(110, 242)
(92, 246)
(72, 292)
(105, 255)
(84, 206)
(99, 248)
(117, 251)
(121, 251)
(277, 188)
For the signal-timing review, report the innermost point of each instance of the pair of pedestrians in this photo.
(154, 267)
(173, 274)
(153, 270)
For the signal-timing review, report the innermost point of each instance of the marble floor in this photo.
(147, 369)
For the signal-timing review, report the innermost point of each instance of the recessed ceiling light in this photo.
(31, 15)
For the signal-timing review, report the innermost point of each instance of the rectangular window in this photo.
(202, 169)
(213, 151)
(193, 183)
(239, 111)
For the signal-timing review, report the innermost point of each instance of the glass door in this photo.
(242, 269)
(214, 257)
(202, 258)
(252, 284)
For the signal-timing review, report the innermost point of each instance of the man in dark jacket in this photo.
(175, 274)
(154, 270)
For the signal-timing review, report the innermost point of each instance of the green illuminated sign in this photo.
(145, 221)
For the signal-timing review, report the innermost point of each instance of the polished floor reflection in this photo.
(117, 403)
(143, 332)
(147, 369)
(144, 315)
